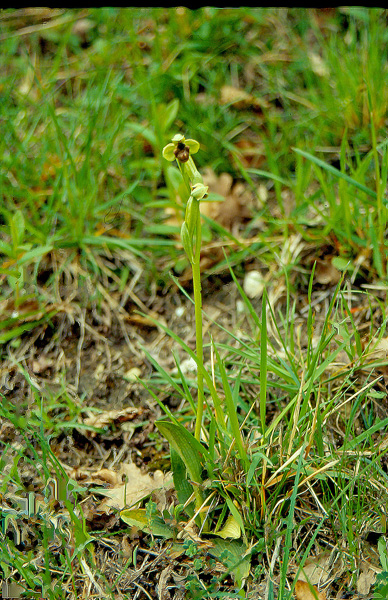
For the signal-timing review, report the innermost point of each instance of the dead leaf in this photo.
(132, 375)
(318, 65)
(163, 593)
(108, 476)
(110, 416)
(326, 273)
(252, 153)
(377, 351)
(317, 570)
(241, 99)
(131, 486)
(304, 591)
(82, 27)
(40, 364)
(12, 590)
(27, 309)
(127, 547)
(144, 321)
(366, 579)
(235, 208)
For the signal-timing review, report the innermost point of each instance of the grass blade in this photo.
(336, 172)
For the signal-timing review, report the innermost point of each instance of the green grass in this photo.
(295, 416)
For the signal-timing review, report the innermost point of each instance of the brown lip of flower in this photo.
(182, 152)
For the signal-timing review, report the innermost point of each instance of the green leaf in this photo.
(268, 175)
(383, 552)
(231, 555)
(263, 363)
(187, 242)
(144, 131)
(154, 524)
(174, 177)
(11, 273)
(381, 589)
(167, 114)
(34, 253)
(191, 215)
(17, 228)
(256, 459)
(182, 486)
(231, 410)
(156, 229)
(189, 450)
(231, 529)
(237, 517)
(17, 331)
(342, 264)
(187, 447)
(6, 248)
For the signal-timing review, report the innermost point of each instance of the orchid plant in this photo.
(181, 150)
(204, 456)
(186, 448)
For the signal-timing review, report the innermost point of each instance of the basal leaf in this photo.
(154, 525)
(231, 554)
(186, 446)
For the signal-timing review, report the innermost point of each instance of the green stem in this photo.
(198, 325)
(185, 177)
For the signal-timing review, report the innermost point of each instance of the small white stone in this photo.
(240, 307)
(188, 366)
(180, 311)
(132, 375)
(253, 284)
(262, 194)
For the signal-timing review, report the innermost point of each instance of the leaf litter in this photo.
(129, 486)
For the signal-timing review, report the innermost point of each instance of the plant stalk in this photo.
(198, 325)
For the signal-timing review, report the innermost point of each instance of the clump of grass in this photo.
(256, 469)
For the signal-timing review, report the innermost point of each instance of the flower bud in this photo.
(199, 191)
